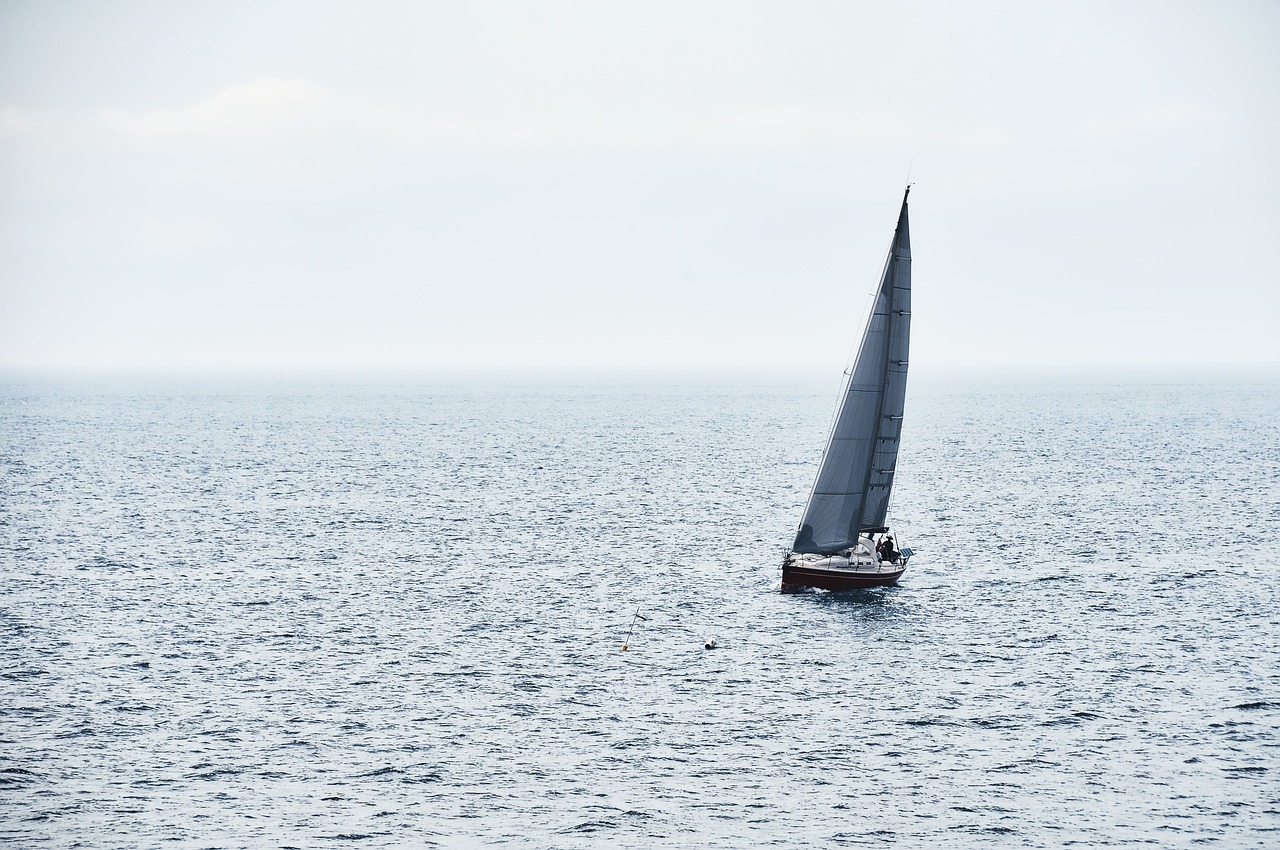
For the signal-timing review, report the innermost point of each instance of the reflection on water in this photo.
(868, 603)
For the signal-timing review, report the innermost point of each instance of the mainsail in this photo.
(851, 493)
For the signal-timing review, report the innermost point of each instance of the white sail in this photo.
(851, 493)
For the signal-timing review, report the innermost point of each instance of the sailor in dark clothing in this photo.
(886, 550)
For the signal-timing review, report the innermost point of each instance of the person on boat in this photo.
(886, 550)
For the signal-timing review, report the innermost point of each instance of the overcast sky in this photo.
(701, 184)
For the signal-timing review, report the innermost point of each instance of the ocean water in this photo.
(389, 613)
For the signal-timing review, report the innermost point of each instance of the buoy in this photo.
(711, 644)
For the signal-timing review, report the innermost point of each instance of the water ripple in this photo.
(391, 615)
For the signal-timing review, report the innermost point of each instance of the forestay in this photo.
(851, 493)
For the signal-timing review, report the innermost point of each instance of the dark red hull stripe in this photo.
(833, 580)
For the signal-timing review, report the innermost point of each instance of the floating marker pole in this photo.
(627, 639)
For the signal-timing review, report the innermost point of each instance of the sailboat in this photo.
(843, 542)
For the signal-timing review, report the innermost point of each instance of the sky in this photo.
(669, 185)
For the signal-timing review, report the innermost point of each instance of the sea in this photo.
(474, 611)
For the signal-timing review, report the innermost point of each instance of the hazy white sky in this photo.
(503, 185)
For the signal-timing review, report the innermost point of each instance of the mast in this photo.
(884, 375)
(847, 497)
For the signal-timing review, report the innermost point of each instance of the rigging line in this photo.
(846, 378)
(869, 312)
(888, 287)
(868, 305)
(850, 360)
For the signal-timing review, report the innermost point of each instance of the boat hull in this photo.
(798, 577)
